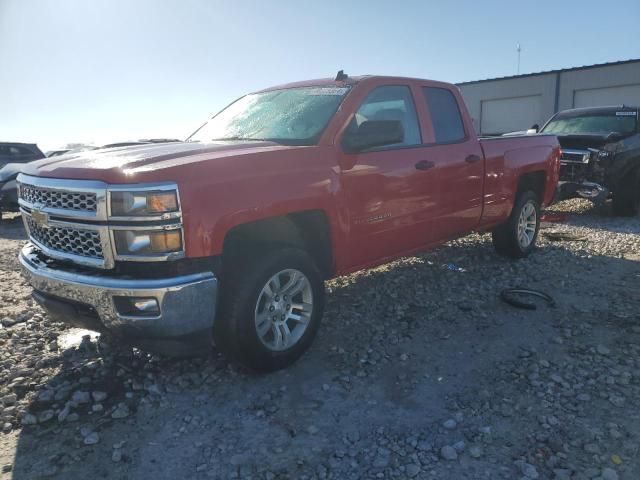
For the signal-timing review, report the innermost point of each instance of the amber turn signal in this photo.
(162, 202)
(169, 241)
(144, 243)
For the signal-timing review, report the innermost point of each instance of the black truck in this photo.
(600, 155)
(13, 156)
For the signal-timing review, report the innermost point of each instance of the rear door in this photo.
(458, 173)
(388, 189)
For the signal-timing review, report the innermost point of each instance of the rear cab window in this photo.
(445, 115)
(17, 154)
(20, 153)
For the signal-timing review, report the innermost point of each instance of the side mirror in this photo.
(535, 127)
(374, 133)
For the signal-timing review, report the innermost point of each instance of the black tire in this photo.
(235, 332)
(505, 237)
(626, 199)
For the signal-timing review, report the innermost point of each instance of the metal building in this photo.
(507, 104)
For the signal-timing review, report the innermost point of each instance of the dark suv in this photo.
(600, 155)
(12, 157)
(11, 152)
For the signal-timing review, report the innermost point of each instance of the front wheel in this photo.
(626, 199)
(516, 238)
(271, 310)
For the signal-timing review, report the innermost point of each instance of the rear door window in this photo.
(445, 115)
(17, 154)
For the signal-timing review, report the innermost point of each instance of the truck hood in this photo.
(582, 141)
(141, 162)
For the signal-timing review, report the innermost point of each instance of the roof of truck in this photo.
(318, 82)
(18, 143)
(332, 82)
(596, 110)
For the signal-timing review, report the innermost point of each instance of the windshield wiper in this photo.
(224, 139)
(280, 141)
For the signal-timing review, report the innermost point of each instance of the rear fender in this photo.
(538, 163)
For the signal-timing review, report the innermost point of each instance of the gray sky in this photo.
(114, 70)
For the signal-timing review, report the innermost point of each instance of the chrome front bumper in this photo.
(589, 190)
(187, 303)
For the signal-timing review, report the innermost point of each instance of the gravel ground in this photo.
(419, 371)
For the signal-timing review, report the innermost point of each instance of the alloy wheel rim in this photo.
(283, 310)
(527, 223)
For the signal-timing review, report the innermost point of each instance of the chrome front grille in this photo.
(575, 156)
(573, 172)
(69, 240)
(82, 201)
(69, 219)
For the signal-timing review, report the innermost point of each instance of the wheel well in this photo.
(532, 181)
(629, 176)
(308, 230)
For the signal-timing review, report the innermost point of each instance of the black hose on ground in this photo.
(508, 296)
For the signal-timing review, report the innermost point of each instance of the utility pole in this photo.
(518, 50)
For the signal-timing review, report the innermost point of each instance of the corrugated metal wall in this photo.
(516, 103)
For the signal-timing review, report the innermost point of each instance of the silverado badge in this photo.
(41, 218)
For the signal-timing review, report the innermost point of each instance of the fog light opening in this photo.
(137, 306)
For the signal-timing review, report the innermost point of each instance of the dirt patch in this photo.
(419, 371)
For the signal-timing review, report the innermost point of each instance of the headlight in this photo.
(146, 203)
(148, 242)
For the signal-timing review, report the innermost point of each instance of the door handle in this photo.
(424, 165)
(472, 159)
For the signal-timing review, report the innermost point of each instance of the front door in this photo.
(388, 190)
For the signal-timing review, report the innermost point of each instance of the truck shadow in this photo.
(595, 217)
(397, 344)
(11, 227)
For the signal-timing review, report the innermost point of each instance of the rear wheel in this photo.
(271, 310)
(626, 199)
(516, 238)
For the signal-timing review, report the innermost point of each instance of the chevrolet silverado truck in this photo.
(600, 155)
(227, 238)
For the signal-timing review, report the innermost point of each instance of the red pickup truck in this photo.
(230, 234)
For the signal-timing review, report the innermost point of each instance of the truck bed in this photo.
(509, 158)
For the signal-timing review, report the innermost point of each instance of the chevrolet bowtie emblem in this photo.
(41, 218)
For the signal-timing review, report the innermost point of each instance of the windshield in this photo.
(294, 116)
(620, 122)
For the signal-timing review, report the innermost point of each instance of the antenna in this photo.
(341, 76)
(518, 50)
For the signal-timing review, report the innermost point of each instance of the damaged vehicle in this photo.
(600, 155)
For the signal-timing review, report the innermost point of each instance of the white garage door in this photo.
(509, 114)
(600, 97)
